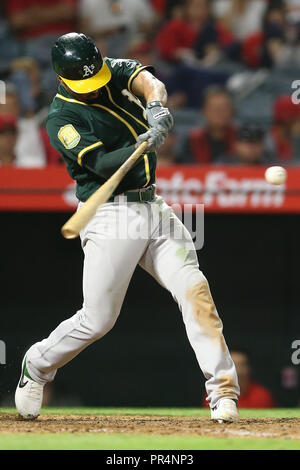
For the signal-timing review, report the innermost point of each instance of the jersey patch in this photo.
(68, 136)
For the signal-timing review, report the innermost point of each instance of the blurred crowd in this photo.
(228, 65)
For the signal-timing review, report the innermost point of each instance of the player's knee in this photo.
(97, 325)
(103, 327)
(203, 308)
(189, 278)
(189, 286)
(197, 277)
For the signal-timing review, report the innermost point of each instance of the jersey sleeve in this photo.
(72, 137)
(75, 141)
(124, 71)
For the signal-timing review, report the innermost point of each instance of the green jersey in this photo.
(95, 139)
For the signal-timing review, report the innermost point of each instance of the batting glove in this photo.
(159, 117)
(154, 137)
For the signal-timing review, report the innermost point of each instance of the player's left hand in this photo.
(154, 137)
(159, 117)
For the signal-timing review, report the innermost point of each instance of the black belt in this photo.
(139, 195)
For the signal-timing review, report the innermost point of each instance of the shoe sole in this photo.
(27, 418)
(226, 419)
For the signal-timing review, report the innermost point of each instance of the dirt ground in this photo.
(286, 428)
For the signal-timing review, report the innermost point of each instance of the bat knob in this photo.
(68, 233)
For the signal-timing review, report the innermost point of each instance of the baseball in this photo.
(276, 175)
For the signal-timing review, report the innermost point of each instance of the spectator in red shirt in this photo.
(197, 28)
(217, 137)
(284, 137)
(253, 395)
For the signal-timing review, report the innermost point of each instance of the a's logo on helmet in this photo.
(88, 70)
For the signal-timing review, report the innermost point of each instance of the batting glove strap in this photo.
(158, 116)
(154, 137)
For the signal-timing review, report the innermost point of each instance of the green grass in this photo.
(66, 441)
(250, 413)
(119, 441)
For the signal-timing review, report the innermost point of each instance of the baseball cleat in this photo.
(29, 395)
(225, 411)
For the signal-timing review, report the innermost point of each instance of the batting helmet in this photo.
(78, 62)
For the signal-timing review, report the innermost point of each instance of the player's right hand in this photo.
(155, 138)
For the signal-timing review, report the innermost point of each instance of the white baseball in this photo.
(276, 175)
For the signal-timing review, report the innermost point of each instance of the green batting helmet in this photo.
(78, 62)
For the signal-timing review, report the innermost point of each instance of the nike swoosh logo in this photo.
(22, 383)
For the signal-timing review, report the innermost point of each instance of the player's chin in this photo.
(89, 97)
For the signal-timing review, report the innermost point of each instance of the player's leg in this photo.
(109, 263)
(101, 307)
(172, 260)
(108, 266)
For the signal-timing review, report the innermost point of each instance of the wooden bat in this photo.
(81, 218)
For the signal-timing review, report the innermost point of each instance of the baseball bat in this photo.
(81, 218)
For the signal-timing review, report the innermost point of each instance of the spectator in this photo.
(249, 148)
(242, 17)
(205, 145)
(214, 41)
(281, 46)
(25, 75)
(274, 33)
(117, 22)
(253, 395)
(284, 137)
(278, 45)
(196, 30)
(29, 150)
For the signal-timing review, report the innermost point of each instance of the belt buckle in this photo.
(145, 190)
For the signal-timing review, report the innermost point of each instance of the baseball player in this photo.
(96, 121)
